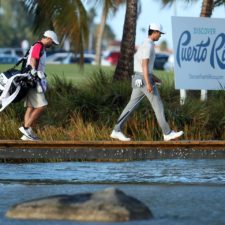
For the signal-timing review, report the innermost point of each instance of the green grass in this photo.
(74, 73)
(71, 72)
(78, 74)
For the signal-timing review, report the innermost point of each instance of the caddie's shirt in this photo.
(35, 52)
(145, 51)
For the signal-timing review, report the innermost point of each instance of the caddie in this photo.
(35, 100)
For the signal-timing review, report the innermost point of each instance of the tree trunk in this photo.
(99, 38)
(207, 8)
(124, 68)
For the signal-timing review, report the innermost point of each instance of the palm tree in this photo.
(124, 68)
(68, 18)
(207, 8)
(107, 6)
(91, 15)
(218, 3)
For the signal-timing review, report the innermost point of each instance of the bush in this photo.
(89, 112)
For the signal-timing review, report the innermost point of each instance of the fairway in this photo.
(72, 72)
(78, 74)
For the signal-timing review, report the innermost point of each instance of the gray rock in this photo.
(109, 205)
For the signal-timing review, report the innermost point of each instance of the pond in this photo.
(176, 191)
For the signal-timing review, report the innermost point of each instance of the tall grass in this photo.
(88, 111)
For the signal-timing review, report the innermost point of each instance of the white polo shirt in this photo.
(145, 51)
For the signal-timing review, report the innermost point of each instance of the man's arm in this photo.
(35, 55)
(34, 63)
(145, 63)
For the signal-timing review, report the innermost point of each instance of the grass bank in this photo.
(85, 104)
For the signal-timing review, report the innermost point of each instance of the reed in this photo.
(88, 111)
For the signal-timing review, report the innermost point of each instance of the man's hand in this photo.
(149, 88)
(33, 72)
(37, 74)
(145, 68)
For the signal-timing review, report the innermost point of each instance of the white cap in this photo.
(155, 26)
(51, 34)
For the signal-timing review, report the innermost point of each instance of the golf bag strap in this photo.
(24, 59)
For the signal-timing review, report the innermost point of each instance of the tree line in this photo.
(69, 18)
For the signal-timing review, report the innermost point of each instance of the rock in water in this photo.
(109, 205)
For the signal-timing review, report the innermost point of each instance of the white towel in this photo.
(6, 98)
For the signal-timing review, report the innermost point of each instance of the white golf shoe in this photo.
(29, 134)
(119, 135)
(25, 138)
(172, 135)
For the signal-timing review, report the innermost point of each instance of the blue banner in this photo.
(199, 53)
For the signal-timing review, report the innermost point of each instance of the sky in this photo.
(152, 11)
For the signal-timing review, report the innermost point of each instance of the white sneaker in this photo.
(25, 138)
(28, 133)
(119, 135)
(33, 134)
(172, 135)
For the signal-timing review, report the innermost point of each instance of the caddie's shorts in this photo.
(35, 99)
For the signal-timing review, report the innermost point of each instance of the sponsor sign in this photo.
(199, 53)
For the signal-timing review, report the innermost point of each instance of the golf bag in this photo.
(15, 83)
(14, 86)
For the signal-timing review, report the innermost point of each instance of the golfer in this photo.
(35, 100)
(144, 84)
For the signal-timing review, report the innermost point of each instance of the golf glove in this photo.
(33, 72)
(138, 83)
(38, 74)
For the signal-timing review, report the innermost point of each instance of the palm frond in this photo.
(218, 3)
(68, 18)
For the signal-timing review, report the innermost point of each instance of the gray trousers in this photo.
(156, 103)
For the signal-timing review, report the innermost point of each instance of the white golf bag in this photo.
(14, 87)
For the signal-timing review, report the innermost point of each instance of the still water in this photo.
(177, 191)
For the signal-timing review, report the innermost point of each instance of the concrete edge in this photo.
(111, 144)
(111, 150)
